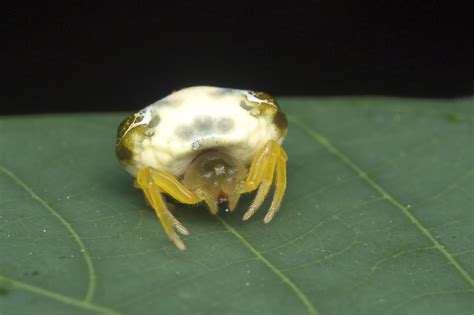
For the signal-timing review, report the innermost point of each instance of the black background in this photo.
(105, 57)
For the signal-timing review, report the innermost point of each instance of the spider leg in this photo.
(280, 186)
(154, 183)
(234, 198)
(261, 175)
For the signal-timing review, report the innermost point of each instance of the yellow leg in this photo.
(254, 177)
(173, 187)
(153, 183)
(280, 187)
(261, 175)
(234, 198)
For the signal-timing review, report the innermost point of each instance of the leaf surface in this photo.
(377, 219)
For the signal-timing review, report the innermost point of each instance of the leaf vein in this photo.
(85, 253)
(56, 296)
(304, 299)
(422, 296)
(325, 142)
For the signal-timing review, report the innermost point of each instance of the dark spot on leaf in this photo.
(4, 291)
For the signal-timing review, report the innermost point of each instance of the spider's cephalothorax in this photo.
(206, 144)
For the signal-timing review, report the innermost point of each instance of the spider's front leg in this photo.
(154, 183)
(270, 160)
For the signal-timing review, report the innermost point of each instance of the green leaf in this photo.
(377, 219)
